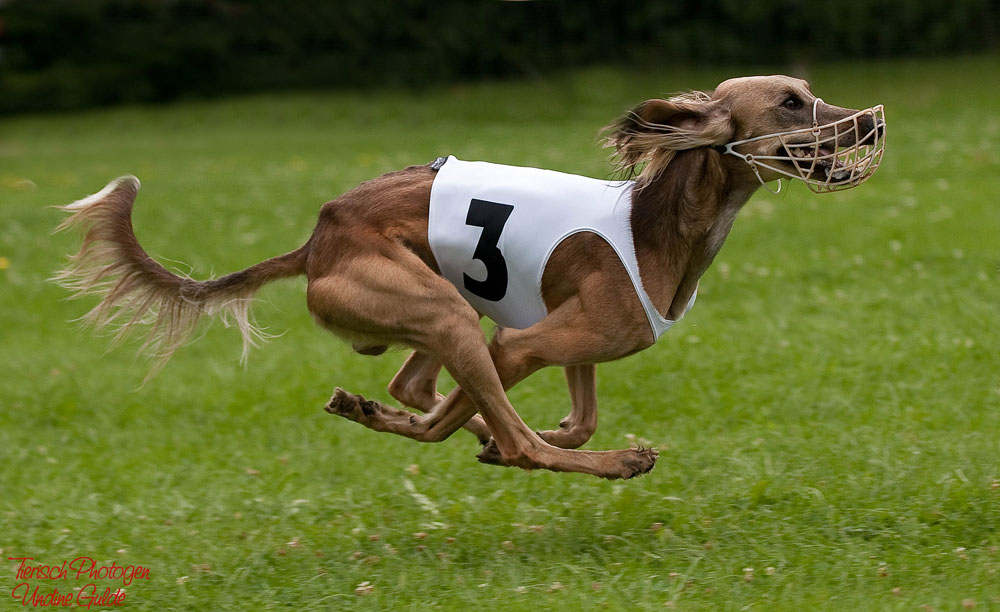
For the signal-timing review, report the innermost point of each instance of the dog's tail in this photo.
(137, 290)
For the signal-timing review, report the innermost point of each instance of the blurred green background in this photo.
(827, 414)
(75, 53)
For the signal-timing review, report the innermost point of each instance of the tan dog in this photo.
(373, 279)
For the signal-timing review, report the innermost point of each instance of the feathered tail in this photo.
(137, 290)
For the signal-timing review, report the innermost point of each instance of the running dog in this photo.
(575, 271)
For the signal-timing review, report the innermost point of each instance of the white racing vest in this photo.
(492, 228)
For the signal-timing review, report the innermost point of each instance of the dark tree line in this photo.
(57, 54)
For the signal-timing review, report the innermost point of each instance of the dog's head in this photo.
(775, 124)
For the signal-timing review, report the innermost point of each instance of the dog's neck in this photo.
(680, 221)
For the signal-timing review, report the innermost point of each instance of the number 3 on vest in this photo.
(490, 216)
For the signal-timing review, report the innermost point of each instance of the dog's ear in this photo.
(686, 121)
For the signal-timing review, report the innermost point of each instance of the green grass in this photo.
(828, 414)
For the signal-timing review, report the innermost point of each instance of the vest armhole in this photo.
(640, 292)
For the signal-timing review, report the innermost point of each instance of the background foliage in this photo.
(827, 415)
(59, 54)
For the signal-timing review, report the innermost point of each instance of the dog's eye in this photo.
(792, 103)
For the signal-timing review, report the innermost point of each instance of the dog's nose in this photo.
(879, 128)
(871, 128)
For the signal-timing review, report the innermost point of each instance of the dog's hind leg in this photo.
(415, 385)
(581, 423)
(375, 292)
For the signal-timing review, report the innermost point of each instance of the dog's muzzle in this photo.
(830, 157)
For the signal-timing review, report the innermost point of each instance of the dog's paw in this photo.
(348, 405)
(639, 461)
(490, 454)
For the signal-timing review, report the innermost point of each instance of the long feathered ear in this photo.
(656, 129)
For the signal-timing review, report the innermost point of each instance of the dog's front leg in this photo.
(563, 338)
(581, 423)
(415, 385)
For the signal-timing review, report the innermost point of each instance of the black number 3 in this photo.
(490, 216)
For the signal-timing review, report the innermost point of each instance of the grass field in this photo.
(828, 415)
